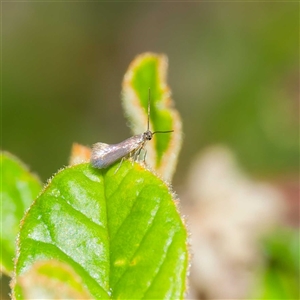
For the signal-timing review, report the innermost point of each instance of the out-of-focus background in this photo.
(234, 76)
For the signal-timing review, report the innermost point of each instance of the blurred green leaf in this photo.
(120, 233)
(51, 280)
(18, 190)
(256, 105)
(281, 274)
(148, 71)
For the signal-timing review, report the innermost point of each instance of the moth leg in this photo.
(132, 156)
(144, 160)
(119, 165)
(138, 152)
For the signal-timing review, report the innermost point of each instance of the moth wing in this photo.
(103, 155)
(100, 157)
(99, 147)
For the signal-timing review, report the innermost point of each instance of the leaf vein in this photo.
(160, 266)
(61, 252)
(137, 249)
(119, 184)
(128, 215)
(84, 215)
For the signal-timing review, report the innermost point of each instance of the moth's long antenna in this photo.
(148, 111)
(162, 131)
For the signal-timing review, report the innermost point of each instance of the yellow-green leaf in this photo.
(149, 70)
(51, 279)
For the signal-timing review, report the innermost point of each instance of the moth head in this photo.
(147, 135)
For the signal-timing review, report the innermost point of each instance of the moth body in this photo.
(103, 155)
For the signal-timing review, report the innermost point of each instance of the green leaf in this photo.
(18, 190)
(120, 232)
(280, 275)
(149, 70)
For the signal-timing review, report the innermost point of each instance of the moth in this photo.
(104, 155)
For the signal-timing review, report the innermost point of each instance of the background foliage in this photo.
(233, 73)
